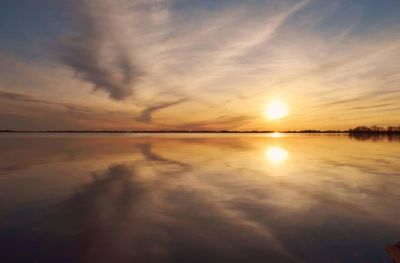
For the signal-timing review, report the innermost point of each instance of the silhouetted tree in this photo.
(375, 130)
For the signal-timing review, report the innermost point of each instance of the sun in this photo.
(276, 110)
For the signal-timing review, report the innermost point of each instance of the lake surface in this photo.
(198, 198)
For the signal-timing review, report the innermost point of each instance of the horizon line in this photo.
(172, 131)
(360, 129)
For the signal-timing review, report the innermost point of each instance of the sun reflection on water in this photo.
(276, 154)
(276, 135)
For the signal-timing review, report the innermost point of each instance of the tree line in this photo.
(376, 130)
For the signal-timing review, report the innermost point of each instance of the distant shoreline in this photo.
(255, 132)
(107, 131)
(350, 131)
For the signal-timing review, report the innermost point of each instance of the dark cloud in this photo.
(146, 115)
(36, 121)
(95, 52)
(26, 112)
(18, 97)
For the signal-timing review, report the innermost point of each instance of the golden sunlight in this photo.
(276, 154)
(276, 135)
(276, 110)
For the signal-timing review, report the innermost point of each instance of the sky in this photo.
(198, 64)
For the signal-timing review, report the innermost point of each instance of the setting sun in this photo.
(276, 110)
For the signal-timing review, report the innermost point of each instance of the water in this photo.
(198, 198)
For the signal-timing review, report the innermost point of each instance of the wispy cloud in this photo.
(96, 53)
(18, 97)
(146, 115)
(220, 123)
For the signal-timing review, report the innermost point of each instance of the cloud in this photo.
(18, 97)
(96, 53)
(220, 123)
(146, 115)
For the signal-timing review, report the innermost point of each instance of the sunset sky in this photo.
(199, 64)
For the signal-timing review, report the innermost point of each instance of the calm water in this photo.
(198, 198)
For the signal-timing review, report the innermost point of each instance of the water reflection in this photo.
(197, 199)
(276, 135)
(375, 137)
(276, 154)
